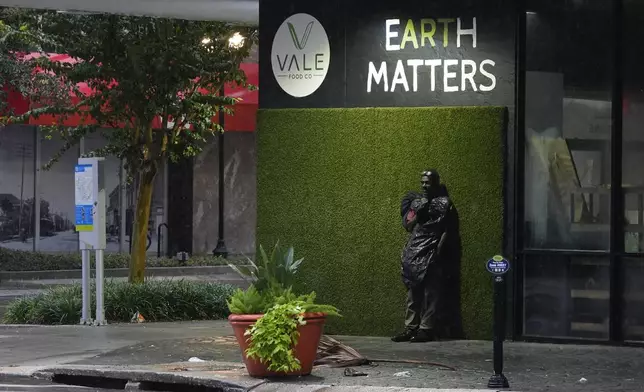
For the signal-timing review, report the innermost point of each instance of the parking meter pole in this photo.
(498, 266)
(498, 380)
(86, 316)
(90, 222)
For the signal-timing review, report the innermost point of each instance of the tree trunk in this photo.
(140, 230)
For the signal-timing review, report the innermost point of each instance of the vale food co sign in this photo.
(300, 55)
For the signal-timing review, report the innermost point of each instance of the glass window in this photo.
(566, 297)
(633, 127)
(633, 323)
(57, 196)
(568, 125)
(16, 187)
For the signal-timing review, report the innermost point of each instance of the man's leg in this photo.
(429, 311)
(412, 315)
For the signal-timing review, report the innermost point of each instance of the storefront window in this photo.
(567, 297)
(17, 187)
(632, 178)
(633, 127)
(568, 125)
(57, 233)
(633, 322)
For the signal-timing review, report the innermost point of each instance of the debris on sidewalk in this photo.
(350, 372)
(583, 380)
(336, 355)
(137, 318)
(402, 374)
(195, 359)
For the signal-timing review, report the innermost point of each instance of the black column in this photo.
(617, 196)
(220, 250)
(180, 213)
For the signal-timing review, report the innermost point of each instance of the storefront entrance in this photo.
(580, 183)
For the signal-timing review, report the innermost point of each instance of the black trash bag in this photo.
(425, 244)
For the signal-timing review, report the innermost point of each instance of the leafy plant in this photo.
(275, 272)
(248, 301)
(251, 301)
(274, 336)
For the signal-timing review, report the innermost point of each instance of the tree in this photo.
(141, 71)
(17, 38)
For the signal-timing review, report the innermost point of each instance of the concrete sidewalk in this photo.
(164, 349)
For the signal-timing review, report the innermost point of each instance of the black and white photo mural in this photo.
(17, 187)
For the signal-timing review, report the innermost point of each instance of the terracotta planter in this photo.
(305, 349)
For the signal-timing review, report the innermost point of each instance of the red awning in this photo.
(244, 118)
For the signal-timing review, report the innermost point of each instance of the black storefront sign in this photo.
(419, 53)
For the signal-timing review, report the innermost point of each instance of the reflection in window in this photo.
(568, 126)
(567, 297)
(633, 127)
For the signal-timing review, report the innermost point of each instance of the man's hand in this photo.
(410, 220)
(419, 204)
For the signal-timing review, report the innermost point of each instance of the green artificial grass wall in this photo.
(330, 182)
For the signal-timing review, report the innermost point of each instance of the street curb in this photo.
(85, 375)
(277, 387)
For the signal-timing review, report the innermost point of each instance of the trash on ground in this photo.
(195, 359)
(402, 374)
(583, 380)
(137, 318)
(349, 372)
(336, 354)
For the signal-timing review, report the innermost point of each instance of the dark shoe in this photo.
(423, 335)
(405, 336)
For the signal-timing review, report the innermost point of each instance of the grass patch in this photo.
(164, 300)
(17, 260)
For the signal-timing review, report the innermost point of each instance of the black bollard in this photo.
(498, 266)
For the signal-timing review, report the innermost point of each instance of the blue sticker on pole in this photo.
(498, 265)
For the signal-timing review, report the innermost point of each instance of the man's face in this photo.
(429, 183)
(425, 182)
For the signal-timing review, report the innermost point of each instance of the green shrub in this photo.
(330, 182)
(16, 260)
(158, 300)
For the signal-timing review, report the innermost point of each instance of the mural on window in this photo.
(57, 197)
(17, 187)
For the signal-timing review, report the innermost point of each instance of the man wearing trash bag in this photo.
(429, 259)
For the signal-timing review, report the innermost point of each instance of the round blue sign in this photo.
(498, 265)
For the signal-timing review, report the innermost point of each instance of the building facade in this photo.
(567, 74)
(536, 123)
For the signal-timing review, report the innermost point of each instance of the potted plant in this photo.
(277, 330)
